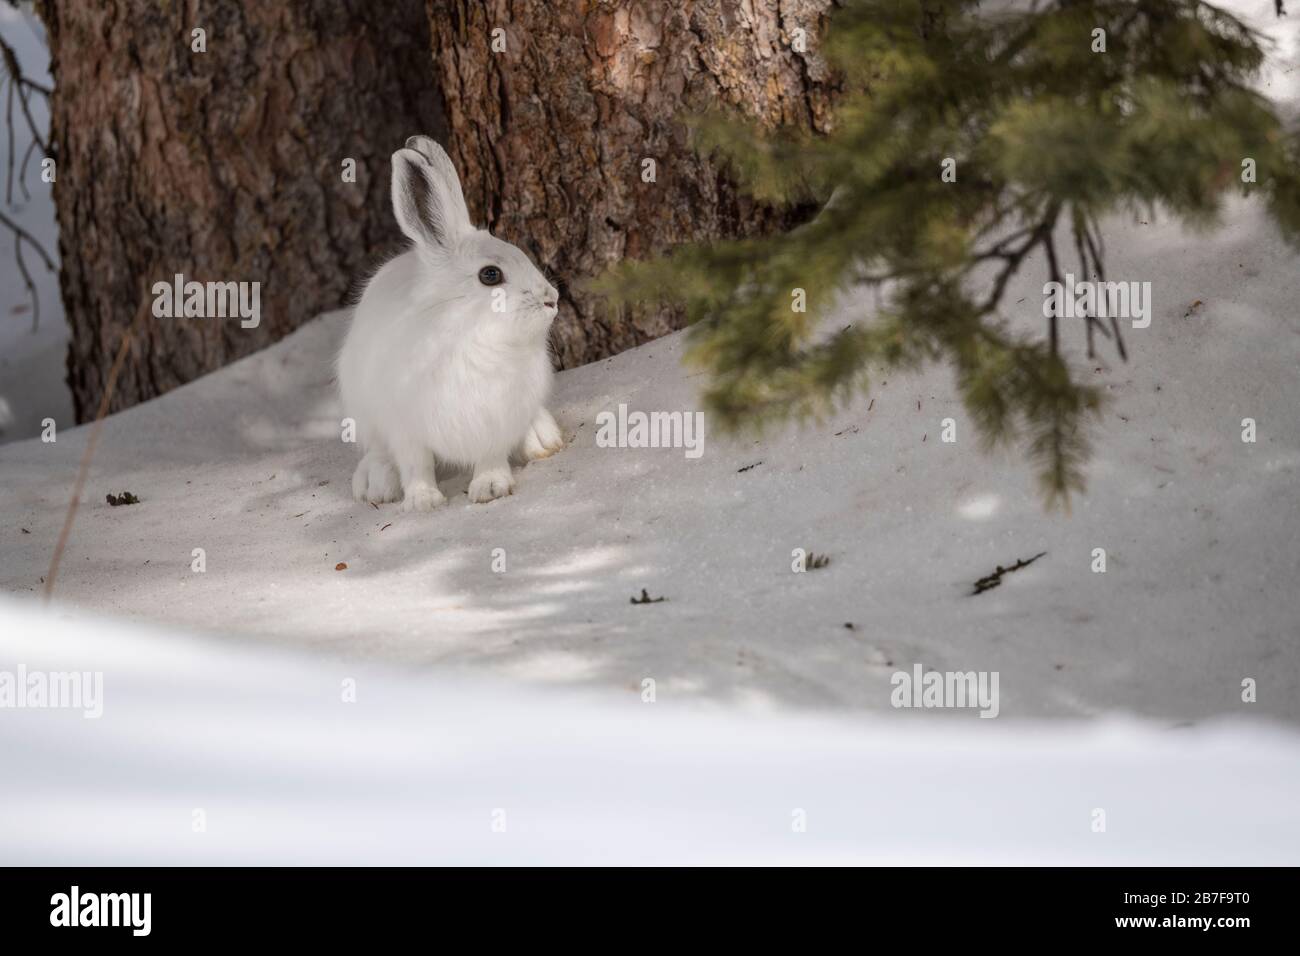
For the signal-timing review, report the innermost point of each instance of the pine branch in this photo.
(1039, 127)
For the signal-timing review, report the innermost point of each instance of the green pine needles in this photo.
(1046, 118)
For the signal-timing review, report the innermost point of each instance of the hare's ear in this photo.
(427, 199)
(444, 172)
(425, 146)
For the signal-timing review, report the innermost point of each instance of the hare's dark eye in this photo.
(491, 275)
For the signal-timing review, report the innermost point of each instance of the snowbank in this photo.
(208, 752)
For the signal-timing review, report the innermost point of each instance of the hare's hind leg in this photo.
(376, 479)
(543, 437)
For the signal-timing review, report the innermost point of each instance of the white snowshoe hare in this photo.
(446, 361)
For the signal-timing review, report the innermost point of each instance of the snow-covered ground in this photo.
(210, 752)
(1200, 528)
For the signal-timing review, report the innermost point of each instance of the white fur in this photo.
(431, 374)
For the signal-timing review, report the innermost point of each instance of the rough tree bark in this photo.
(225, 165)
(222, 166)
(550, 133)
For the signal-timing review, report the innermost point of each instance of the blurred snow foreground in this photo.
(222, 753)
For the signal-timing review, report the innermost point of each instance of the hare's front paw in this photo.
(491, 483)
(544, 437)
(423, 496)
(376, 480)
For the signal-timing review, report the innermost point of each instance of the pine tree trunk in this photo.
(223, 165)
(551, 133)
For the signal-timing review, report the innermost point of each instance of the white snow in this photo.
(260, 752)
